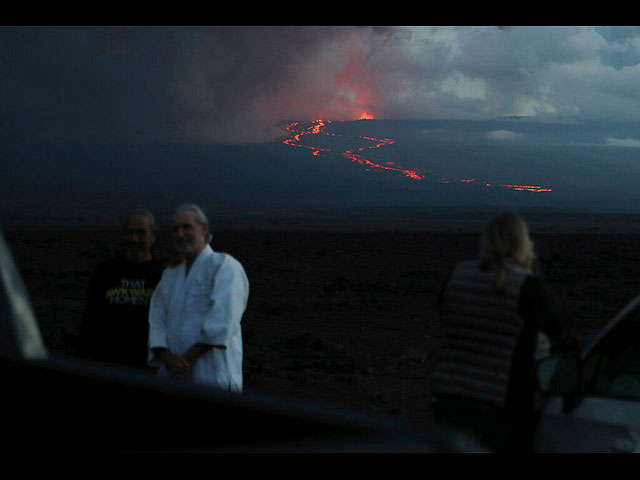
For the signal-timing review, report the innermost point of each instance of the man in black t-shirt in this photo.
(115, 325)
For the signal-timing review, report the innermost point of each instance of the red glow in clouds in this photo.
(317, 127)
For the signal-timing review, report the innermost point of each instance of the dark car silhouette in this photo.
(594, 395)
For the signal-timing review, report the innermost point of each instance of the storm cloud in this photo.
(238, 84)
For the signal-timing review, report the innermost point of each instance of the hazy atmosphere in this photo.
(347, 170)
(95, 120)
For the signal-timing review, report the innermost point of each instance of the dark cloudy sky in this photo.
(100, 87)
(233, 84)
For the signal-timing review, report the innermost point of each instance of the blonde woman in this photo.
(493, 311)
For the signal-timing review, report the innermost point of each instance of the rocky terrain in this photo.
(345, 319)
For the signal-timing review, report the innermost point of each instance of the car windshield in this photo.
(616, 363)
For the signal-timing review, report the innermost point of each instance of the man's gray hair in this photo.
(200, 216)
(144, 212)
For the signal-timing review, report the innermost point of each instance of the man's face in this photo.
(189, 236)
(138, 237)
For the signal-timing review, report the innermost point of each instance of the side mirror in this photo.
(559, 375)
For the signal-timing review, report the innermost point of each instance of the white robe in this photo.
(205, 306)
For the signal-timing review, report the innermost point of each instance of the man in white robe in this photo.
(196, 310)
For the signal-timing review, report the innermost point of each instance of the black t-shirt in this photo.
(115, 325)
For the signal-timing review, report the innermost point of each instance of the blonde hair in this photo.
(506, 244)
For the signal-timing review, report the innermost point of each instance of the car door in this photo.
(603, 412)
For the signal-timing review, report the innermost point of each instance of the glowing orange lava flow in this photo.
(317, 127)
(298, 130)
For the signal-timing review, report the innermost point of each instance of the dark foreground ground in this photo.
(338, 318)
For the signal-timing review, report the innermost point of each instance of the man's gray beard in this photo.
(184, 248)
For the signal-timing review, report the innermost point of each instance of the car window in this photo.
(618, 373)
